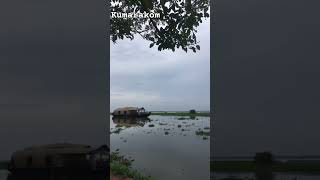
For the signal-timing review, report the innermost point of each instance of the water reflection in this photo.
(130, 121)
(275, 176)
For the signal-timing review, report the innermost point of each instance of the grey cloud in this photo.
(171, 81)
(267, 64)
(53, 73)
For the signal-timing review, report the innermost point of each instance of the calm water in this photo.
(3, 174)
(277, 176)
(165, 147)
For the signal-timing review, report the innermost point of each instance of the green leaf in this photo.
(175, 29)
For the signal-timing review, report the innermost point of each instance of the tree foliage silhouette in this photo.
(176, 28)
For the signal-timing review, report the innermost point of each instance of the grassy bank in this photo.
(250, 166)
(121, 166)
(206, 114)
(4, 164)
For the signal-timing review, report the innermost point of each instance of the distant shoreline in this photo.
(305, 166)
(276, 157)
(168, 113)
(179, 113)
(4, 165)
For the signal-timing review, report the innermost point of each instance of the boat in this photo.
(130, 112)
(60, 157)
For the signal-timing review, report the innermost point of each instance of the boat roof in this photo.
(126, 108)
(60, 148)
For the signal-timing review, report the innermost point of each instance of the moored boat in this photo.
(130, 112)
(60, 157)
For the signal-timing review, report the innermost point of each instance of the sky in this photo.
(160, 80)
(52, 74)
(266, 89)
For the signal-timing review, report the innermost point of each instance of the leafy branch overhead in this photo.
(176, 27)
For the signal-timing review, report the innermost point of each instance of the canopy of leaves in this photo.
(176, 28)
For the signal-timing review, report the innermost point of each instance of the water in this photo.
(276, 176)
(165, 147)
(4, 174)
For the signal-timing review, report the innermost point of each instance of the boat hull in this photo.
(141, 115)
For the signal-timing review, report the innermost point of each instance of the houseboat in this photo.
(130, 112)
(62, 157)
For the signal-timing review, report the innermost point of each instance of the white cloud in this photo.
(161, 80)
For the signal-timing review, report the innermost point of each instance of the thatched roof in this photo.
(126, 109)
(52, 149)
(54, 155)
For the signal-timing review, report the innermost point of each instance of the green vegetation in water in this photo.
(232, 166)
(251, 166)
(204, 137)
(4, 164)
(116, 131)
(202, 133)
(121, 166)
(205, 114)
(182, 118)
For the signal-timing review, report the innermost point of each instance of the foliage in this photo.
(204, 114)
(4, 165)
(119, 165)
(116, 157)
(202, 133)
(264, 157)
(307, 166)
(176, 28)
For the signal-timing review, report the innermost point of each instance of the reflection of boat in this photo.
(60, 157)
(131, 112)
(130, 121)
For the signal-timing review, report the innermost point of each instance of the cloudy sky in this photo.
(160, 80)
(267, 72)
(52, 73)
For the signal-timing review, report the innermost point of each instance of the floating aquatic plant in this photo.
(202, 133)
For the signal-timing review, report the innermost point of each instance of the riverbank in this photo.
(308, 166)
(4, 165)
(205, 114)
(120, 168)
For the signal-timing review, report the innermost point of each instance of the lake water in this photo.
(3, 174)
(276, 176)
(165, 147)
